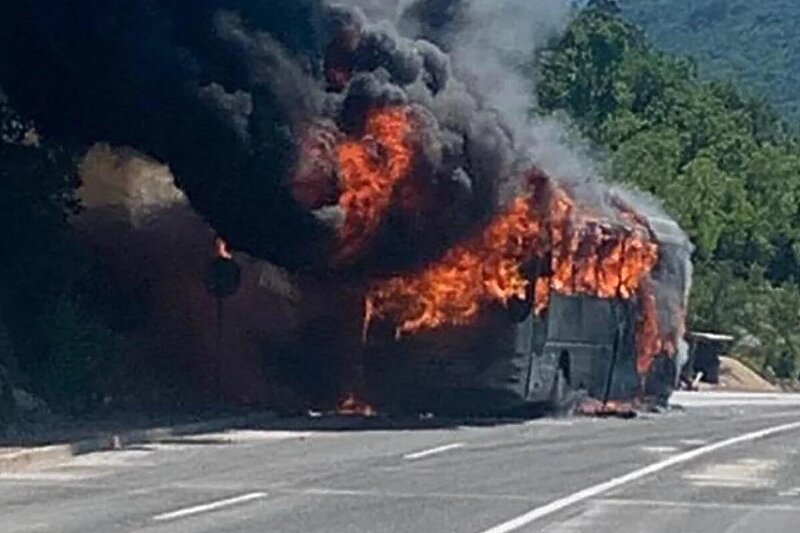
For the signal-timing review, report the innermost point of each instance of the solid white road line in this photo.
(596, 490)
(711, 506)
(212, 506)
(732, 399)
(433, 451)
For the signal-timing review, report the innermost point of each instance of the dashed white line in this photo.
(745, 473)
(659, 449)
(433, 451)
(601, 488)
(207, 507)
(693, 442)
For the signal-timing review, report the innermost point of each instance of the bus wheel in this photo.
(561, 393)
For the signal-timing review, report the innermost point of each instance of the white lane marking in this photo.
(433, 451)
(212, 506)
(550, 422)
(791, 493)
(693, 442)
(48, 476)
(706, 399)
(245, 436)
(600, 488)
(659, 449)
(116, 458)
(698, 505)
(744, 473)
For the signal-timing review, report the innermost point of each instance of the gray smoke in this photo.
(483, 88)
(491, 46)
(379, 10)
(287, 340)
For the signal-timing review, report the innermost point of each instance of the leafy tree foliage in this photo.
(58, 346)
(753, 43)
(723, 164)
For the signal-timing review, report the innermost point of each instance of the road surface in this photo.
(720, 463)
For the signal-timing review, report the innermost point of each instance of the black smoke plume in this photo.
(226, 92)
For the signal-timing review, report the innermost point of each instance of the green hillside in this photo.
(722, 163)
(755, 44)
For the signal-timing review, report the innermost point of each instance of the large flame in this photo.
(542, 243)
(452, 291)
(589, 255)
(369, 169)
(595, 257)
(649, 342)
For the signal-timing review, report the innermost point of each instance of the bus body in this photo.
(502, 362)
(510, 358)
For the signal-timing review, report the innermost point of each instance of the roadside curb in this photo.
(42, 456)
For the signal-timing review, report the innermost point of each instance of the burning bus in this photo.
(597, 308)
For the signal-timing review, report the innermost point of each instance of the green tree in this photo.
(58, 344)
(753, 43)
(723, 164)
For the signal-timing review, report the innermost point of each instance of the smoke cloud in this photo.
(182, 87)
(227, 92)
(276, 345)
(492, 45)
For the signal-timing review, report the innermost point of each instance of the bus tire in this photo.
(561, 393)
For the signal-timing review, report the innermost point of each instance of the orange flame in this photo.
(469, 276)
(595, 258)
(589, 256)
(648, 338)
(370, 168)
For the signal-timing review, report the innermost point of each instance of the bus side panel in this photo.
(484, 366)
(581, 336)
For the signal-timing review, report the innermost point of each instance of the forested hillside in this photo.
(721, 162)
(755, 43)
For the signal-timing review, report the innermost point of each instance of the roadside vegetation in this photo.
(52, 343)
(754, 43)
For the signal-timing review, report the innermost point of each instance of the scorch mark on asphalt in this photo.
(601, 488)
(433, 451)
(207, 507)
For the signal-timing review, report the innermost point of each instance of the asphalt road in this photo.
(720, 463)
